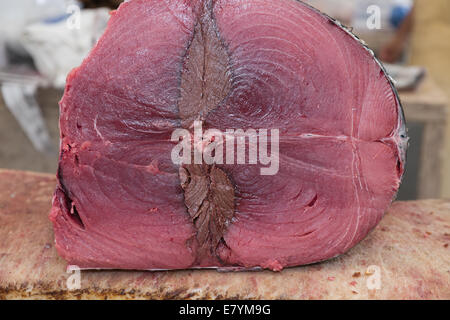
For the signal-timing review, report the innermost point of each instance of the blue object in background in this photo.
(57, 19)
(398, 14)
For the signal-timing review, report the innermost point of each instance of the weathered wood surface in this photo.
(409, 250)
(428, 105)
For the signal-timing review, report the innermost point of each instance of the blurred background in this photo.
(42, 40)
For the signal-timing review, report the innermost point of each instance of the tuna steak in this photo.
(123, 202)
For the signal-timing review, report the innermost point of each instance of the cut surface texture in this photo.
(122, 202)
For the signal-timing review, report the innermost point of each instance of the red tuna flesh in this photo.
(121, 201)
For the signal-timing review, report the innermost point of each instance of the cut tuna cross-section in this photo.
(234, 66)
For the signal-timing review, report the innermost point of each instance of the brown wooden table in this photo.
(428, 105)
(405, 257)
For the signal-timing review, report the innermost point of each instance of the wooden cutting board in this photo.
(405, 257)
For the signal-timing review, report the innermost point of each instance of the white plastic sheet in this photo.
(16, 15)
(56, 48)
